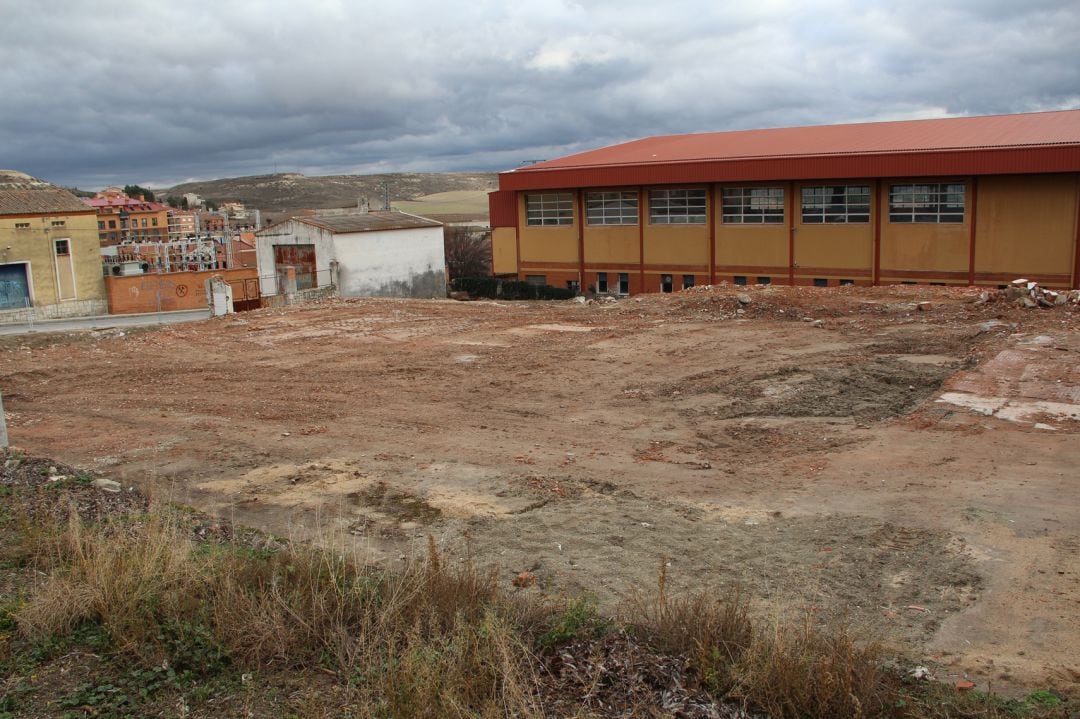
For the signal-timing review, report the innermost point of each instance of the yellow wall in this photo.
(762, 246)
(552, 243)
(833, 246)
(1026, 224)
(35, 245)
(676, 244)
(751, 245)
(612, 243)
(924, 246)
(504, 259)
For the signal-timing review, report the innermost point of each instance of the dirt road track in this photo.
(815, 467)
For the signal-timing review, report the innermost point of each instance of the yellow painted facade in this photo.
(1024, 225)
(924, 247)
(71, 282)
(504, 259)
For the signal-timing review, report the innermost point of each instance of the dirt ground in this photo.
(911, 471)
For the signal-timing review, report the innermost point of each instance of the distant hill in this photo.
(282, 194)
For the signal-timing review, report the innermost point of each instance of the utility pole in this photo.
(3, 425)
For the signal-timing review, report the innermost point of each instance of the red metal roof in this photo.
(994, 144)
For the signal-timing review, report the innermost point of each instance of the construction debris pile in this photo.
(1030, 294)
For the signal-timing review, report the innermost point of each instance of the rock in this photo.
(579, 299)
(921, 673)
(924, 306)
(107, 484)
(460, 296)
(817, 323)
(1012, 293)
(743, 298)
(1019, 282)
(1029, 303)
(965, 685)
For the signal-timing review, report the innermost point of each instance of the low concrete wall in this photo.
(63, 310)
(166, 292)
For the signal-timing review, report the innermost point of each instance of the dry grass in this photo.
(433, 640)
(783, 668)
(425, 641)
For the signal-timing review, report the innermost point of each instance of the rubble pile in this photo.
(1030, 295)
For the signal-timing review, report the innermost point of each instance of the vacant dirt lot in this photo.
(912, 471)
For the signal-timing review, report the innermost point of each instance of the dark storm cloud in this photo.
(148, 92)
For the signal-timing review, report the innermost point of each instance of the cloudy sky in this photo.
(160, 91)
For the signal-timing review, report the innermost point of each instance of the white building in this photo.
(364, 254)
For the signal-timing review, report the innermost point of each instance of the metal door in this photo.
(302, 257)
(14, 288)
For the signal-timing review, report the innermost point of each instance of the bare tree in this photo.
(468, 251)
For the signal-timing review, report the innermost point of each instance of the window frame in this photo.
(555, 209)
(671, 199)
(745, 198)
(932, 210)
(66, 244)
(601, 277)
(612, 206)
(842, 211)
(623, 277)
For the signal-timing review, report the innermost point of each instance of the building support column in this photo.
(789, 210)
(710, 215)
(876, 277)
(518, 200)
(1076, 251)
(972, 229)
(581, 240)
(643, 201)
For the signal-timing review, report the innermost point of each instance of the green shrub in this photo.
(495, 288)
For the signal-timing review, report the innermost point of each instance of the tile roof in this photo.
(21, 194)
(958, 133)
(128, 203)
(368, 221)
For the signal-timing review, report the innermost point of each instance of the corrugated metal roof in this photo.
(368, 221)
(21, 194)
(940, 146)
(992, 131)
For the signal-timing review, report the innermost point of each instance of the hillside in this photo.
(288, 192)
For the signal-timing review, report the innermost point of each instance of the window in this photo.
(846, 283)
(764, 280)
(740, 279)
(63, 249)
(821, 282)
(624, 283)
(611, 208)
(101, 224)
(836, 204)
(153, 221)
(22, 225)
(753, 205)
(549, 208)
(538, 280)
(677, 207)
(933, 202)
(601, 282)
(144, 222)
(59, 223)
(574, 286)
(665, 283)
(112, 224)
(687, 281)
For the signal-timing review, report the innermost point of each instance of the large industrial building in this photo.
(959, 201)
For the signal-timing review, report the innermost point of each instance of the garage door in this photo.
(14, 289)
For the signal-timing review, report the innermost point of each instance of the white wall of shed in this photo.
(392, 263)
